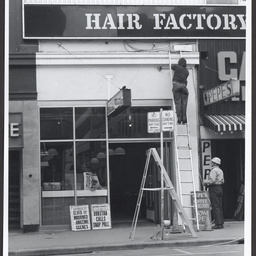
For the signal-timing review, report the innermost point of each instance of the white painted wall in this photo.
(75, 71)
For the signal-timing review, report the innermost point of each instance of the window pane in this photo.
(56, 123)
(91, 165)
(57, 166)
(90, 123)
(132, 123)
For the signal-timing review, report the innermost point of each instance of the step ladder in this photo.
(184, 167)
(168, 186)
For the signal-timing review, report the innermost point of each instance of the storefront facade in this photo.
(223, 119)
(72, 151)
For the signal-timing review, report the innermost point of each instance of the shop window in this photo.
(57, 164)
(56, 123)
(132, 123)
(73, 160)
(91, 165)
(90, 123)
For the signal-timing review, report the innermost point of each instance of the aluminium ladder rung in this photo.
(183, 147)
(155, 189)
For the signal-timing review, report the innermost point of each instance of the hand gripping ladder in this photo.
(168, 186)
(184, 167)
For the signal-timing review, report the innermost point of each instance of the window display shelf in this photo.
(71, 193)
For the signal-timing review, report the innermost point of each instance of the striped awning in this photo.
(225, 123)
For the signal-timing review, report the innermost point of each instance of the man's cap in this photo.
(216, 160)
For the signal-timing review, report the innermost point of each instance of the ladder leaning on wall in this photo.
(184, 167)
(168, 186)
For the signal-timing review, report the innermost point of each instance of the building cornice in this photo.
(114, 58)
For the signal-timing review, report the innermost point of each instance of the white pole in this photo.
(162, 175)
(109, 77)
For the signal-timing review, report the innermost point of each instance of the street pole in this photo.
(162, 176)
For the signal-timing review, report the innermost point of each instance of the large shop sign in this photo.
(147, 22)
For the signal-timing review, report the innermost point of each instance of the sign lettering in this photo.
(203, 206)
(80, 217)
(206, 157)
(101, 218)
(225, 60)
(57, 21)
(222, 92)
(14, 130)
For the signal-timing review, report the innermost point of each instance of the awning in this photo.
(225, 123)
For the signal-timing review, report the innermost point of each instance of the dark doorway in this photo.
(14, 189)
(231, 153)
(126, 173)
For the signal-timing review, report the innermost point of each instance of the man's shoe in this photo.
(217, 227)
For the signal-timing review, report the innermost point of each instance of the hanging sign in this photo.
(100, 216)
(119, 102)
(80, 217)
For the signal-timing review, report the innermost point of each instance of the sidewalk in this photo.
(46, 242)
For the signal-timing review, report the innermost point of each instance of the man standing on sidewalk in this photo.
(180, 91)
(214, 182)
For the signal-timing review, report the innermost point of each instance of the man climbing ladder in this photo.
(180, 91)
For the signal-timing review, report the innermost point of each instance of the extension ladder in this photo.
(184, 167)
(168, 186)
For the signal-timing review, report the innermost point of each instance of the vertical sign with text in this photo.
(206, 157)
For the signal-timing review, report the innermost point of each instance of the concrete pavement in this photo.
(64, 241)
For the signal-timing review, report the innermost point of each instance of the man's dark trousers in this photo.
(216, 194)
(180, 94)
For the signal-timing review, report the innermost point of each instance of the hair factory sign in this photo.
(47, 21)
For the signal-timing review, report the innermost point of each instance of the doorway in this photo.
(126, 171)
(14, 189)
(232, 155)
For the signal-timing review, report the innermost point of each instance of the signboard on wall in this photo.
(101, 218)
(222, 92)
(80, 217)
(15, 130)
(206, 157)
(48, 20)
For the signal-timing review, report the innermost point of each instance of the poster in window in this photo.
(100, 216)
(80, 217)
